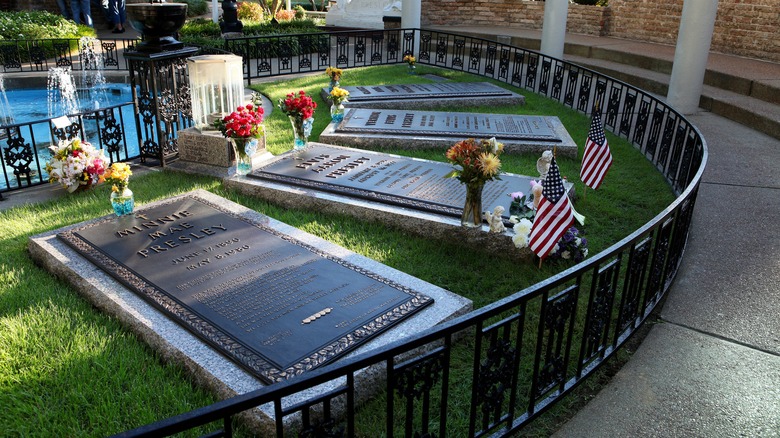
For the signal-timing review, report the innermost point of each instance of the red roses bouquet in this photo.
(300, 106)
(244, 122)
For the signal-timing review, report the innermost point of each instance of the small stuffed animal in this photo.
(495, 221)
(536, 189)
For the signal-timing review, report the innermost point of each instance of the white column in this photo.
(554, 27)
(690, 56)
(215, 11)
(410, 14)
(411, 10)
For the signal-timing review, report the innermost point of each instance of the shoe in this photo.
(122, 30)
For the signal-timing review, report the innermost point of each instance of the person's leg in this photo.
(75, 8)
(86, 10)
(117, 11)
(64, 10)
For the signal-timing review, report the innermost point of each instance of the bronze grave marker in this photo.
(273, 304)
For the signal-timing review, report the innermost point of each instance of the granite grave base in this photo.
(381, 128)
(428, 96)
(439, 220)
(207, 365)
(208, 152)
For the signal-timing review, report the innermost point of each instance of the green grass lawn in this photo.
(67, 369)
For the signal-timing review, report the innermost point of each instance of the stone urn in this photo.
(158, 22)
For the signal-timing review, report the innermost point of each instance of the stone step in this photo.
(753, 112)
(745, 77)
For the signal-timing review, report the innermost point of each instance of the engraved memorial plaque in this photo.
(391, 179)
(363, 93)
(402, 122)
(271, 303)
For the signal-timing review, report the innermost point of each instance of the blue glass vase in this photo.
(122, 201)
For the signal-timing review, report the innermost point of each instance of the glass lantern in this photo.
(216, 87)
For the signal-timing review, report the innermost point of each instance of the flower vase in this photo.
(245, 148)
(122, 201)
(472, 209)
(337, 112)
(412, 69)
(301, 130)
(333, 84)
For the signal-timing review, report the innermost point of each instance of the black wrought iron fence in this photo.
(39, 55)
(517, 357)
(25, 146)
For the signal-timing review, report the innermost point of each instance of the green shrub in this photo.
(30, 25)
(300, 13)
(250, 11)
(201, 28)
(196, 7)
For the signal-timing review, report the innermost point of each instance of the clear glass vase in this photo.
(472, 209)
(337, 112)
(412, 69)
(245, 148)
(122, 201)
(301, 130)
(333, 84)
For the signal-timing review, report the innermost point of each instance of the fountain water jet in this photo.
(93, 80)
(6, 113)
(62, 97)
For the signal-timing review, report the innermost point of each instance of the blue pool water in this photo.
(32, 105)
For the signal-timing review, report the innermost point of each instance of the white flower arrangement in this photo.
(522, 229)
(75, 164)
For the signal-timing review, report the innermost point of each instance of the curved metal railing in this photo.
(522, 353)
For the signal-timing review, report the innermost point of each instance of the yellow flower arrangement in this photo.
(409, 59)
(118, 175)
(476, 160)
(334, 73)
(339, 95)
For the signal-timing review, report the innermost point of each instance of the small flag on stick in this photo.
(554, 215)
(597, 158)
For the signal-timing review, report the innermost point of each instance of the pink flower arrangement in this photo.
(245, 122)
(298, 106)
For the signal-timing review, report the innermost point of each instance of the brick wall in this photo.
(522, 14)
(742, 27)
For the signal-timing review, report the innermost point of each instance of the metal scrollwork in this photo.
(18, 155)
(110, 132)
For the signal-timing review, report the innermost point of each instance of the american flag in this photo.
(597, 158)
(554, 215)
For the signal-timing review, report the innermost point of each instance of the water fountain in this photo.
(62, 97)
(6, 113)
(93, 80)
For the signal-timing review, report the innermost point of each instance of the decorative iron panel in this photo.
(475, 56)
(494, 381)
(632, 287)
(490, 59)
(544, 80)
(557, 84)
(613, 104)
(628, 114)
(600, 302)
(656, 279)
(584, 99)
(655, 132)
(571, 87)
(666, 140)
(553, 342)
(414, 382)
